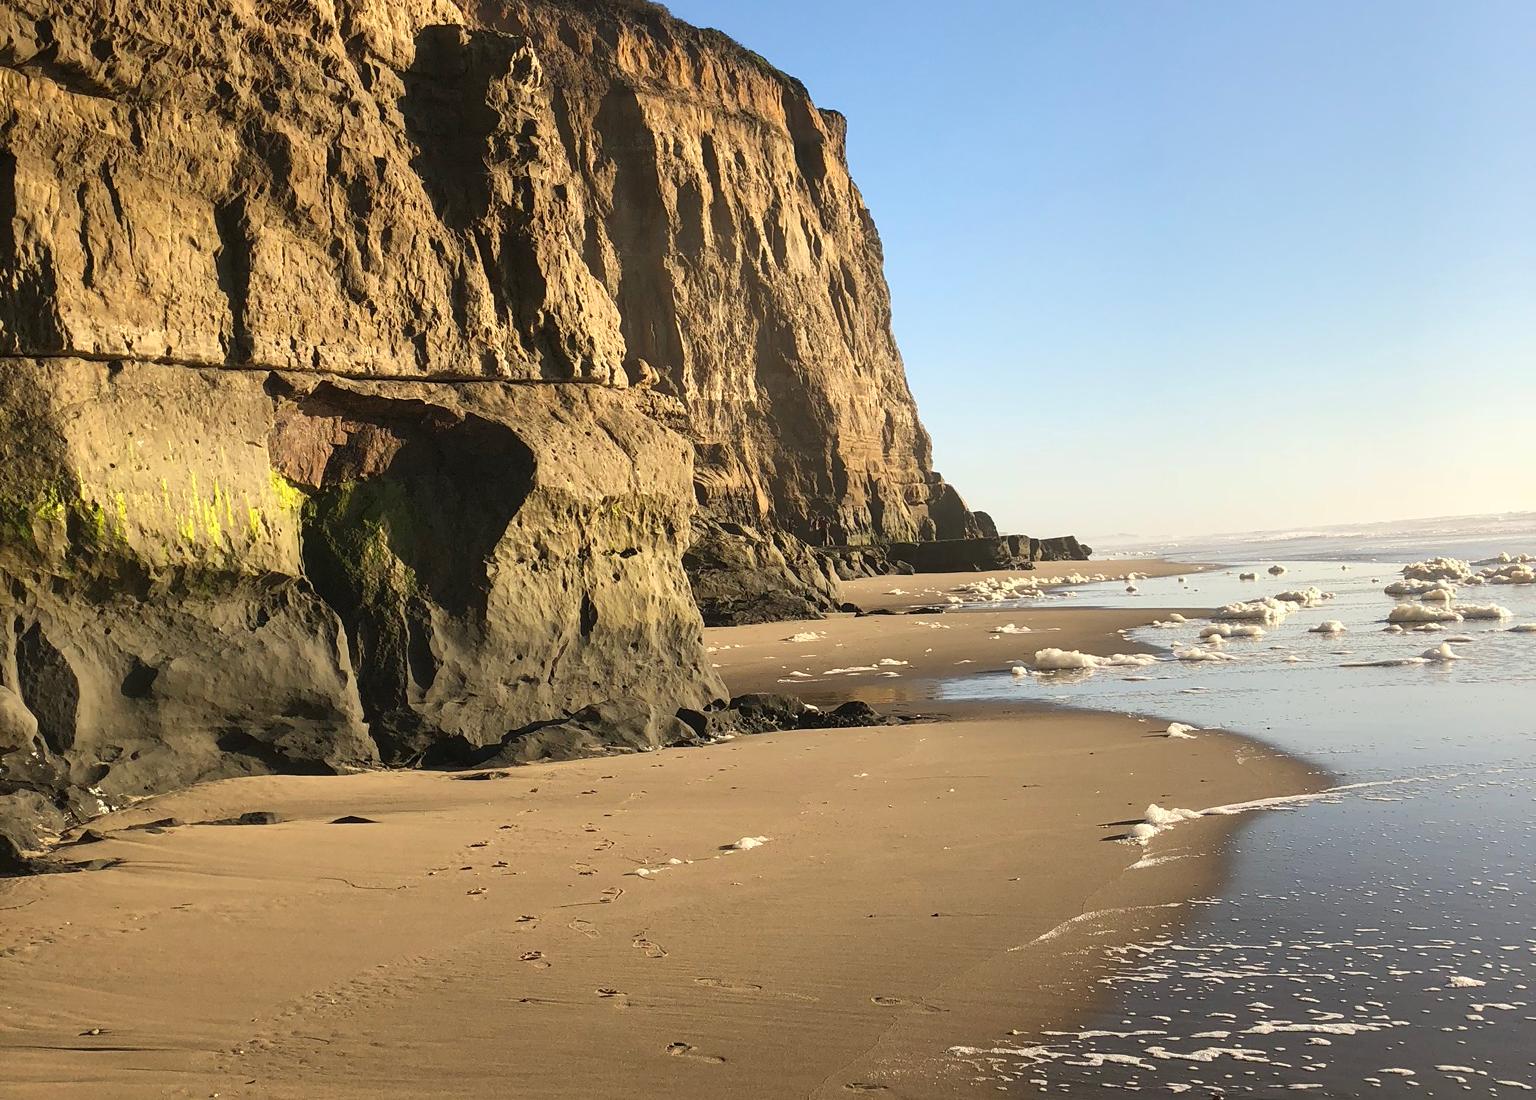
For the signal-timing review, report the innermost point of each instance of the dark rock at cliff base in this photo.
(961, 555)
(740, 575)
(769, 712)
(763, 712)
(1064, 548)
(13, 861)
(852, 562)
(1002, 552)
(855, 712)
(254, 817)
(613, 726)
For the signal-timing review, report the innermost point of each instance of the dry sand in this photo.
(921, 886)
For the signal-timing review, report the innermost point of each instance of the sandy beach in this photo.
(587, 928)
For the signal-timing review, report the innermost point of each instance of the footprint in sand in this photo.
(584, 869)
(902, 1002)
(616, 997)
(652, 949)
(731, 986)
(611, 895)
(535, 959)
(688, 1050)
(584, 928)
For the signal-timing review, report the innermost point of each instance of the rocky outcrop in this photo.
(998, 552)
(211, 573)
(740, 576)
(960, 555)
(1062, 548)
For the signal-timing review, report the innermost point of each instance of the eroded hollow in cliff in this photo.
(407, 502)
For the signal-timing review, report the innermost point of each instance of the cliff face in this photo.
(522, 189)
(746, 271)
(364, 361)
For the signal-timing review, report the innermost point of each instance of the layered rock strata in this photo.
(515, 189)
(365, 364)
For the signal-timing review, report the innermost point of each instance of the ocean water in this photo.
(1378, 941)
(1467, 537)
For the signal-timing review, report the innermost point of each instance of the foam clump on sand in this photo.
(1268, 611)
(1233, 630)
(1457, 981)
(996, 589)
(807, 636)
(1272, 610)
(1009, 628)
(1179, 731)
(1442, 594)
(1410, 588)
(1484, 611)
(1311, 596)
(1422, 613)
(1439, 655)
(1438, 569)
(747, 843)
(1061, 660)
(1513, 573)
(1156, 819)
(1195, 653)
(1329, 626)
(1174, 619)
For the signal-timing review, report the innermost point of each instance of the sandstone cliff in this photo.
(520, 189)
(369, 365)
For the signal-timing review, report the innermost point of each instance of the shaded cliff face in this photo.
(520, 189)
(746, 269)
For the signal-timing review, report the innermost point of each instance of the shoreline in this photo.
(922, 887)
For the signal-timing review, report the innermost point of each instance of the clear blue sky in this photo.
(1171, 267)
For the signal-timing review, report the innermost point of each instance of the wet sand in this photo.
(921, 886)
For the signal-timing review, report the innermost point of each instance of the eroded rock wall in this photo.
(211, 573)
(524, 189)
